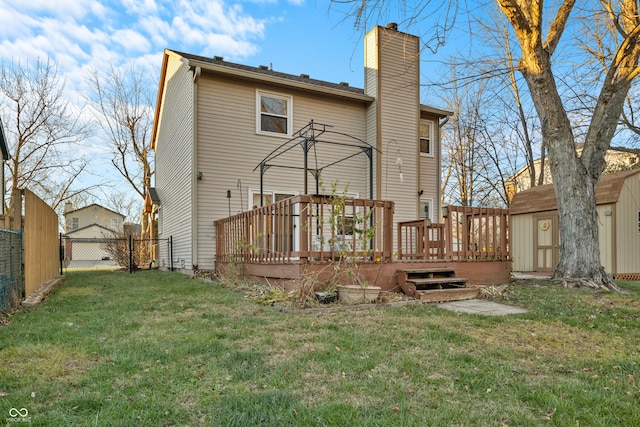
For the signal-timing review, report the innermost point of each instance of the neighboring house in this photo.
(86, 228)
(616, 159)
(216, 122)
(535, 239)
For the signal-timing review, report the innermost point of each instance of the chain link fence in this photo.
(127, 253)
(11, 273)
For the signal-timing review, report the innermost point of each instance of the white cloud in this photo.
(131, 41)
(58, 8)
(140, 7)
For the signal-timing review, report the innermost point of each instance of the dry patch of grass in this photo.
(43, 362)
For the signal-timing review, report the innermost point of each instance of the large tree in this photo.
(575, 177)
(538, 29)
(121, 100)
(42, 128)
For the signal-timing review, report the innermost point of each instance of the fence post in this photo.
(130, 253)
(61, 255)
(170, 253)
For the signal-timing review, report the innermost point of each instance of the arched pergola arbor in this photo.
(307, 138)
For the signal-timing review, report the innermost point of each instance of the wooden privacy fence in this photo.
(308, 228)
(466, 234)
(41, 244)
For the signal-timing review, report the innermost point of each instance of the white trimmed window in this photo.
(426, 209)
(268, 197)
(114, 224)
(273, 114)
(426, 137)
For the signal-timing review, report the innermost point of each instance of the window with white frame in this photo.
(274, 113)
(114, 224)
(426, 209)
(268, 197)
(426, 137)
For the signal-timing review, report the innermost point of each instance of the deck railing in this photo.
(466, 234)
(308, 228)
(420, 239)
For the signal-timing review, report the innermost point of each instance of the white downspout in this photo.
(194, 175)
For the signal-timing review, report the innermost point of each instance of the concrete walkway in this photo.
(483, 307)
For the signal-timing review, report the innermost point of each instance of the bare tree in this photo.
(575, 177)
(460, 141)
(538, 29)
(41, 128)
(121, 100)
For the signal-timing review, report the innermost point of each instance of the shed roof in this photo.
(543, 198)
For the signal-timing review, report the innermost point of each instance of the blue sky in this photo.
(294, 36)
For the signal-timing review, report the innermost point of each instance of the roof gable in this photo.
(93, 205)
(78, 230)
(543, 198)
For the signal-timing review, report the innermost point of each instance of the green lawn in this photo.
(161, 349)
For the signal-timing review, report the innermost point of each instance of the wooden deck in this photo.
(326, 237)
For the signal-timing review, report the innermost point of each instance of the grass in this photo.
(162, 349)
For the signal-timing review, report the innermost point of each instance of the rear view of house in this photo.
(229, 138)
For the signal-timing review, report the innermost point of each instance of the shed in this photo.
(535, 240)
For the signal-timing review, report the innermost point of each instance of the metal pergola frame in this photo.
(307, 137)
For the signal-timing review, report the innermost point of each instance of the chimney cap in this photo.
(392, 26)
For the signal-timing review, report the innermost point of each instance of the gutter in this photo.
(276, 80)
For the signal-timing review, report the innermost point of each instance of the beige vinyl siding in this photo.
(627, 233)
(371, 86)
(522, 246)
(398, 113)
(229, 149)
(430, 171)
(93, 215)
(174, 171)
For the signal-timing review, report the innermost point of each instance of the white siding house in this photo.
(216, 121)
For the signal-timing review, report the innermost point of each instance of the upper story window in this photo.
(114, 224)
(75, 223)
(274, 113)
(426, 137)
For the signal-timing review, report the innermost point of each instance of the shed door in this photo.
(546, 242)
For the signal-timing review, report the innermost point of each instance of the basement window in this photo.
(274, 114)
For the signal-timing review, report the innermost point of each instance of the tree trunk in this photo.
(574, 188)
(578, 223)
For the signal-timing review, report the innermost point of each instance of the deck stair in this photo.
(434, 284)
